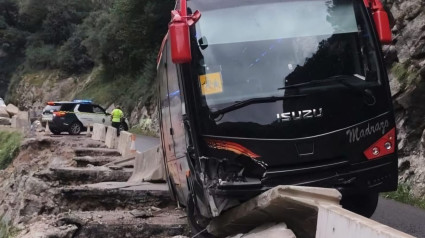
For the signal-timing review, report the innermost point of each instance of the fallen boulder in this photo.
(3, 112)
(12, 110)
(5, 121)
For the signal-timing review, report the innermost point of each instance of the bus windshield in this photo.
(252, 49)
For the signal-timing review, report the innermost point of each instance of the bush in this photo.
(73, 57)
(41, 57)
(9, 147)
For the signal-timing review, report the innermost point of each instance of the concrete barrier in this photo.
(269, 230)
(308, 212)
(23, 122)
(149, 166)
(99, 132)
(336, 222)
(111, 138)
(124, 143)
(14, 121)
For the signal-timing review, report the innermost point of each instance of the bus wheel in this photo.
(363, 204)
(197, 222)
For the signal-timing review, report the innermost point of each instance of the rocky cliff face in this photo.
(406, 63)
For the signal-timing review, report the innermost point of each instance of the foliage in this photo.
(404, 195)
(41, 57)
(9, 147)
(121, 37)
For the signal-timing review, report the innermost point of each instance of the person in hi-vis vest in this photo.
(116, 117)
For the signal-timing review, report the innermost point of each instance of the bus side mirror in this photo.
(179, 36)
(179, 39)
(382, 25)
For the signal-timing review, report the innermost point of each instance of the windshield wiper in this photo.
(244, 103)
(369, 98)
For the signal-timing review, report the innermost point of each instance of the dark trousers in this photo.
(117, 125)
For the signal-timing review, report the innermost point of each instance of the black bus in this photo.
(255, 94)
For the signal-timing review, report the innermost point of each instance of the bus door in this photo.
(167, 131)
(176, 101)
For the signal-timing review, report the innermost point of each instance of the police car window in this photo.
(85, 108)
(52, 108)
(97, 109)
(67, 107)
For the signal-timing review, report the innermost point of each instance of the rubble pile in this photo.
(6, 113)
(49, 191)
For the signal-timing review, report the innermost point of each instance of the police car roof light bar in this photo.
(82, 101)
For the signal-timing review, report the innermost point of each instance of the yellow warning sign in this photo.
(211, 83)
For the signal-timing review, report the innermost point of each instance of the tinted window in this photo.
(97, 109)
(252, 50)
(49, 108)
(67, 107)
(85, 108)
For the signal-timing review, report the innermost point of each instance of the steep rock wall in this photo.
(406, 62)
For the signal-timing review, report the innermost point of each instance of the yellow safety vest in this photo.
(116, 115)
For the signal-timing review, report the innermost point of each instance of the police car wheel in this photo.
(55, 132)
(75, 128)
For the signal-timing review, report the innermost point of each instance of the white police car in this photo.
(49, 109)
(74, 117)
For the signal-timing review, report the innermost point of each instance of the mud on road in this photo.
(53, 190)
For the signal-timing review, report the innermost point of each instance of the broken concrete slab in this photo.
(96, 152)
(149, 166)
(146, 186)
(83, 161)
(41, 229)
(296, 206)
(123, 162)
(68, 175)
(12, 110)
(105, 224)
(113, 196)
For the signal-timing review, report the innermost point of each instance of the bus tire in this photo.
(363, 204)
(195, 219)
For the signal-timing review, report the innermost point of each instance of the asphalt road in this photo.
(144, 143)
(408, 219)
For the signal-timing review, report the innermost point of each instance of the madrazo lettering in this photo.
(356, 134)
